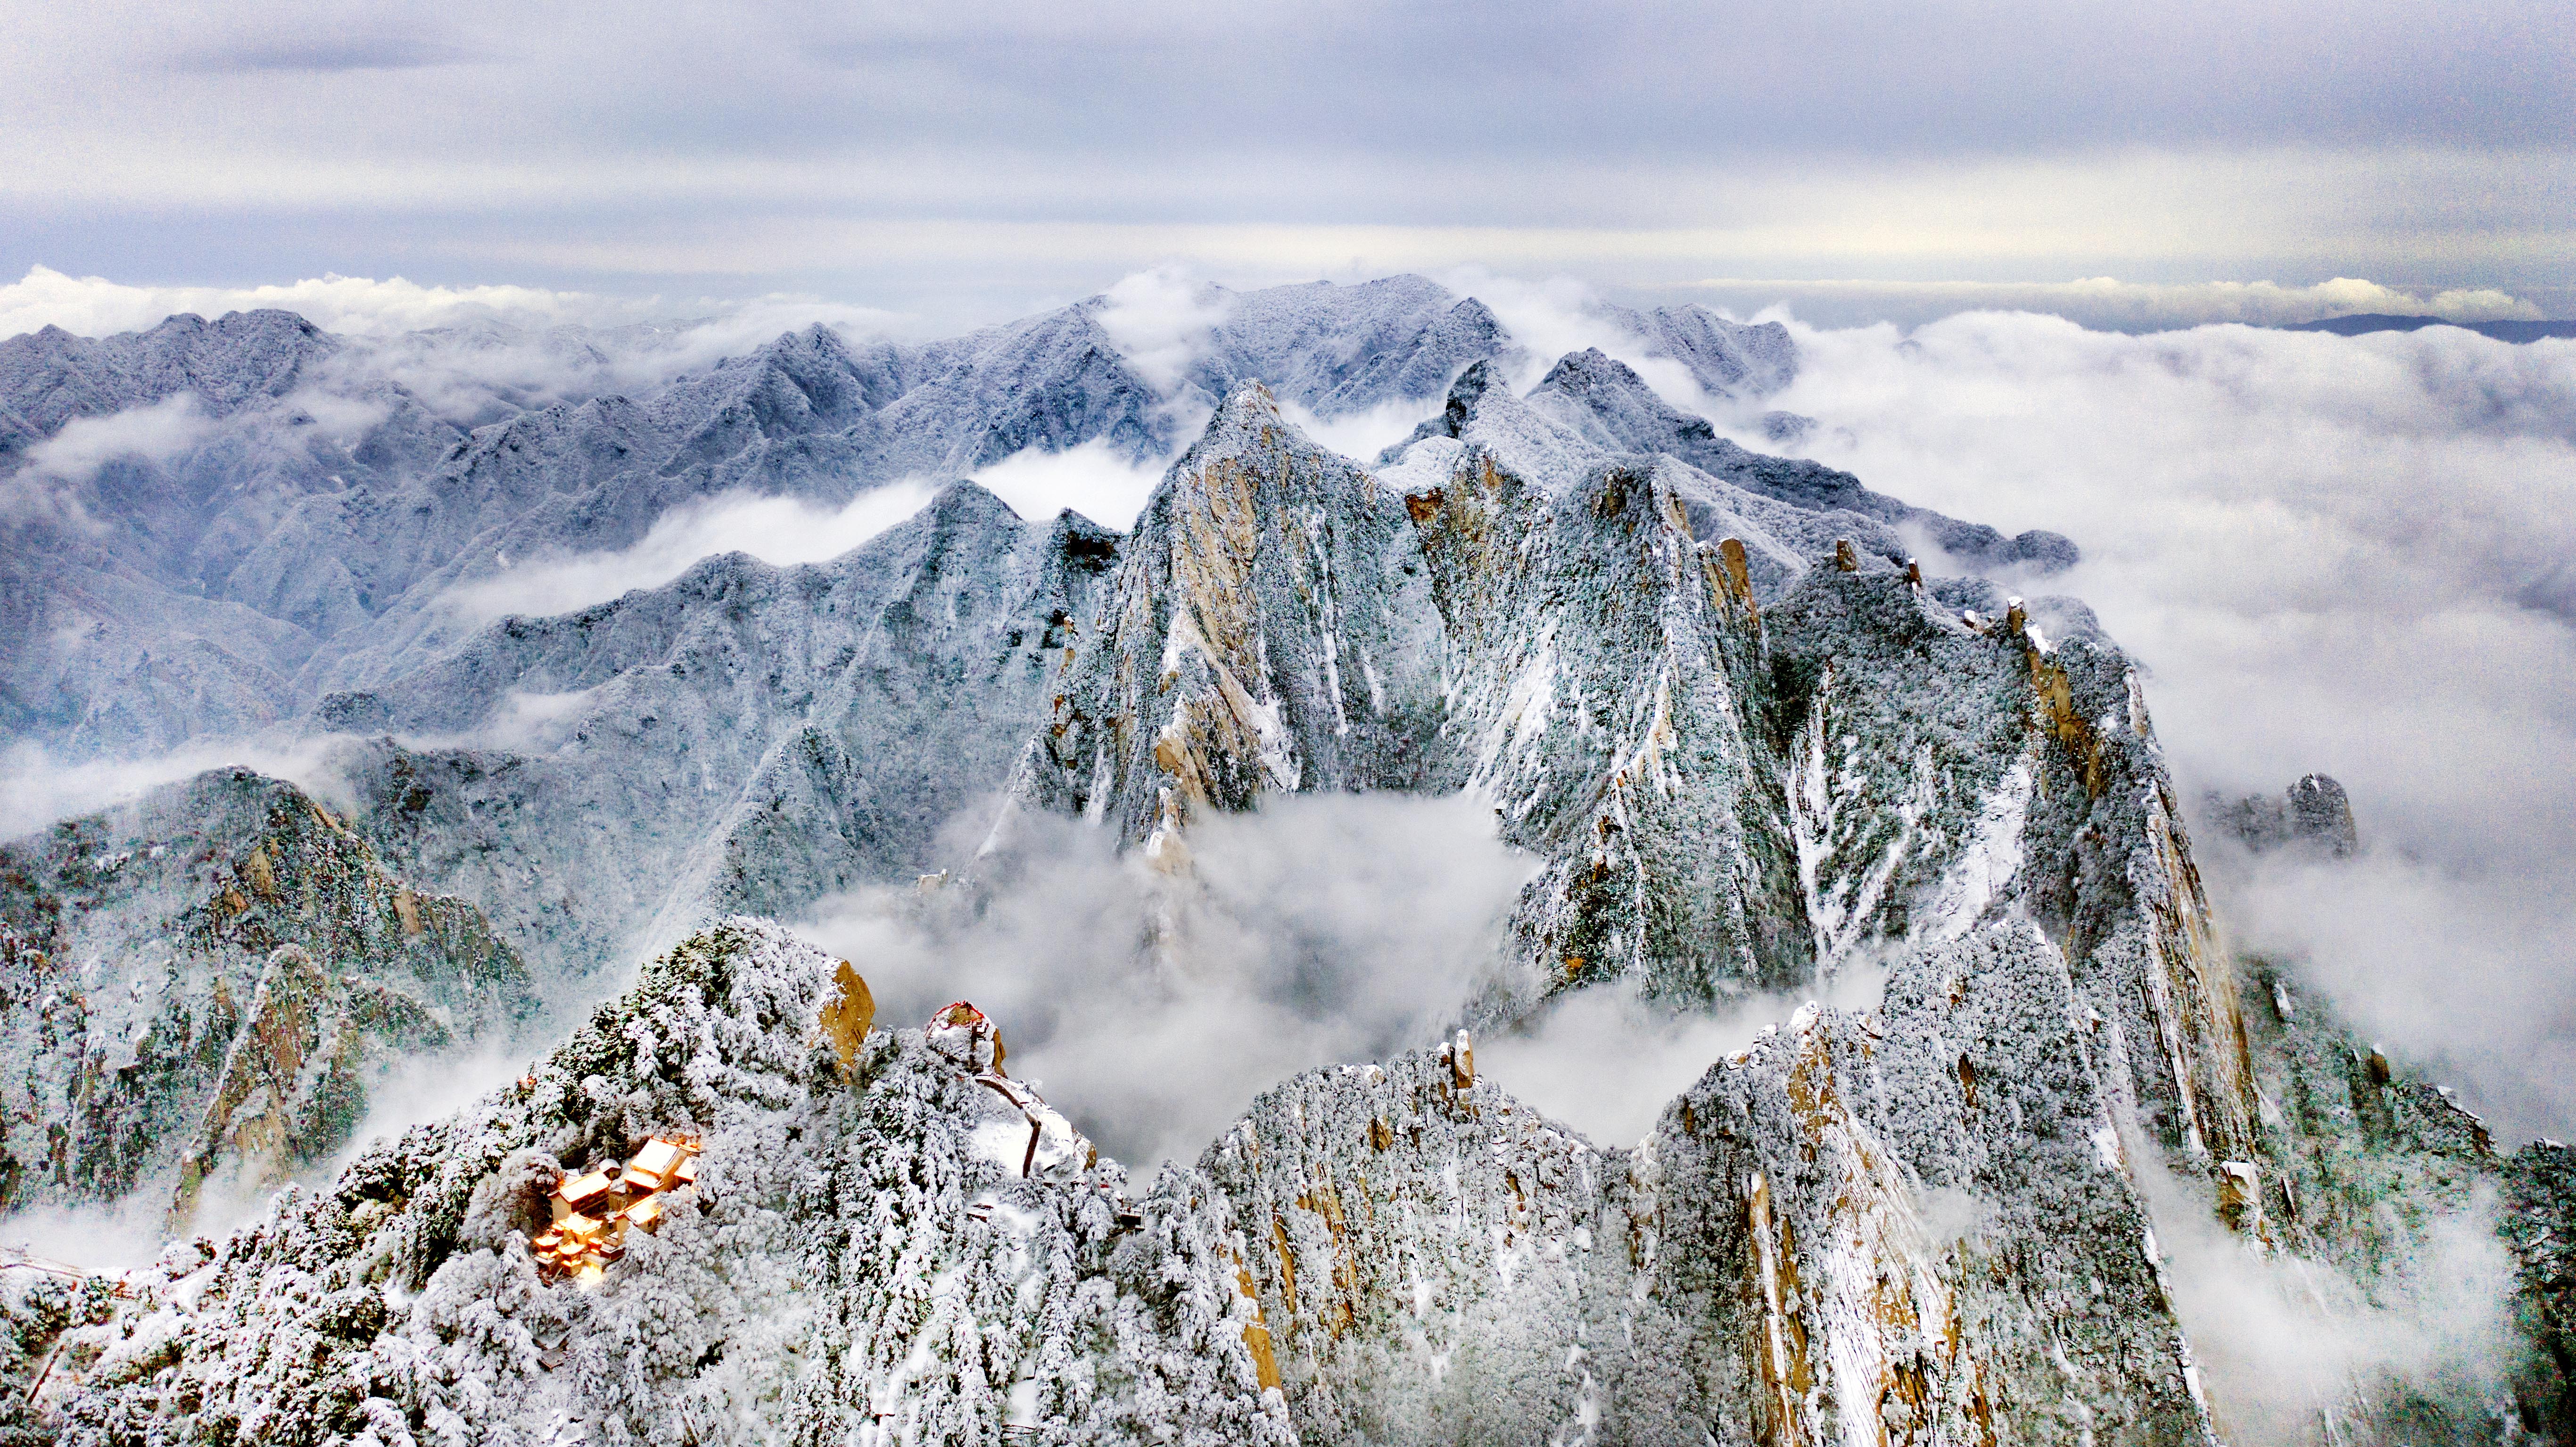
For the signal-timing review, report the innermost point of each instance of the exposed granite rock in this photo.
(204, 981)
(2540, 1199)
(852, 1262)
(294, 1084)
(2363, 1167)
(1606, 692)
(1271, 629)
(1846, 1229)
(1731, 793)
(1419, 1257)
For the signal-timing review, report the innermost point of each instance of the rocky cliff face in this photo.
(1591, 406)
(1271, 629)
(205, 984)
(1846, 1233)
(1606, 691)
(854, 1263)
(2313, 816)
(2540, 1194)
(1731, 794)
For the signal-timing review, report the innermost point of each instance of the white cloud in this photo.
(37, 788)
(1560, 315)
(1161, 321)
(2454, 970)
(47, 490)
(474, 375)
(523, 723)
(782, 531)
(344, 419)
(1330, 928)
(672, 334)
(2281, 1339)
(1361, 436)
(1094, 479)
(92, 1238)
(2330, 554)
(94, 306)
(165, 430)
(1607, 1062)
(29, 498)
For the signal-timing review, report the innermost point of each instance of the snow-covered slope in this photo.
(1750, 742)
(1919, 1223)
(1339, 350)
(51, 377)
(1271, 629)
(1790, 1255)
(745, 738)
(1726, 358)
(1600, 402)
(854, 1263)
(1746, 764)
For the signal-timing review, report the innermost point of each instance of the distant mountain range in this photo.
(2354, 326)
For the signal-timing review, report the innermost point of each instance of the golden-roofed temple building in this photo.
(593, 1211)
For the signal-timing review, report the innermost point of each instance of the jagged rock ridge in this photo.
(294, 533)
(1731, 795)
(853, 1262)
(1271, 629)
(1915, 1223)
(2312, 816)
(747, 738)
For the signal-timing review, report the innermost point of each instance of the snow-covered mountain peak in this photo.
(1265, 634)
(1247, 410)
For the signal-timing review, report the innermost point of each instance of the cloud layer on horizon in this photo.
(2107, 303)
(1019, 152)
(714, 327)
(1156, 315)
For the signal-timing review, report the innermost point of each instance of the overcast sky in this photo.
(968, 159)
